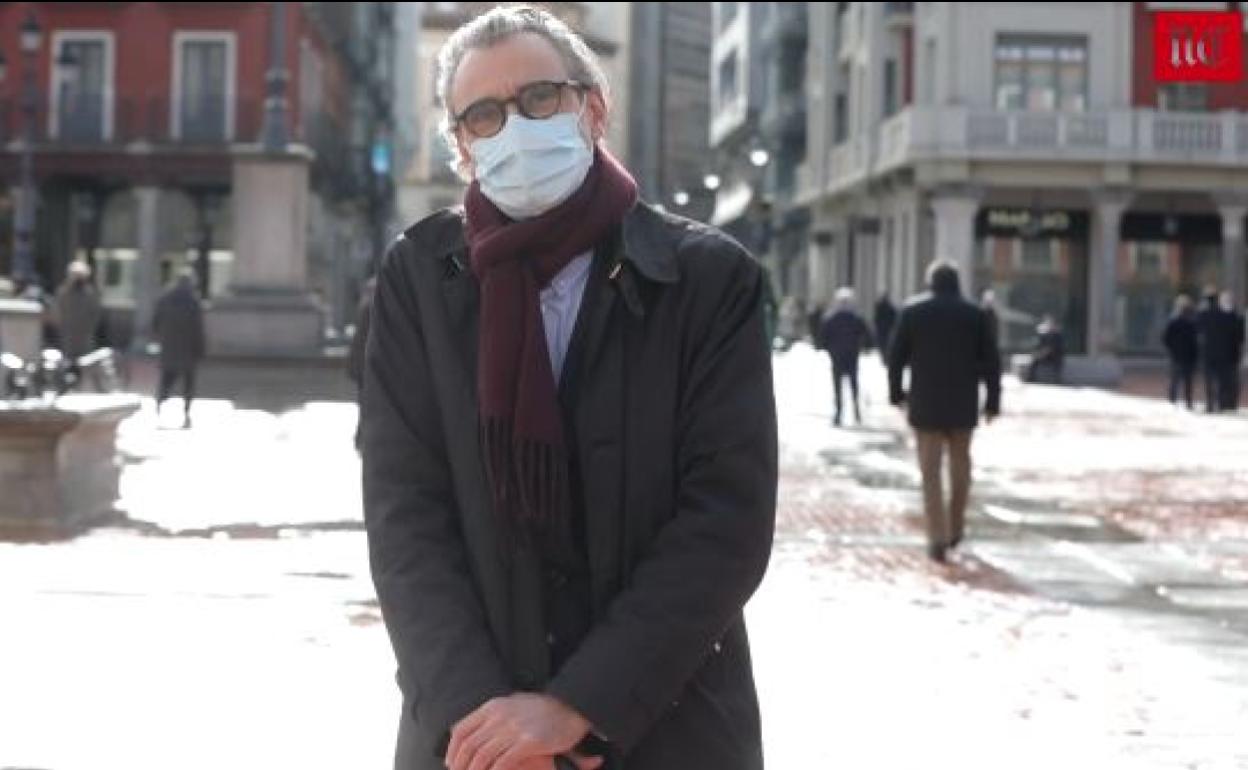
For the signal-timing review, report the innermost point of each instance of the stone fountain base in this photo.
(59, 469)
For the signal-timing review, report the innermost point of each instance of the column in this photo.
(147, 269)
(955, 233)
(1103, 332)
(1233, 248)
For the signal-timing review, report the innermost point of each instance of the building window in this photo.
(1183, 97)
(729, 85)
(82, 92)
(1036, 254)
(1041, 74)
(792, 70)
(203, 103)
(929, 71)
(727, 14)
(840, 118)
(890, 87)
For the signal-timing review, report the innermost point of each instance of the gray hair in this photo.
(502, 23)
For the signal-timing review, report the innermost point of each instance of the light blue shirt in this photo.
(561, 301)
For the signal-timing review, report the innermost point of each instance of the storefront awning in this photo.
(731, 203)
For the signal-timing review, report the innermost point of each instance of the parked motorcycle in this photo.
(53, 373)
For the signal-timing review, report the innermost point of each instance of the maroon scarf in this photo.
(521, 430)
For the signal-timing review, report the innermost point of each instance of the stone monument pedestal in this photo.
(267, 310)
(58, 463)
(21, 327)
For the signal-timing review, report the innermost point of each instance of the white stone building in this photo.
(1029, 143)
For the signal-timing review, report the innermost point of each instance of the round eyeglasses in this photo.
(538, 100)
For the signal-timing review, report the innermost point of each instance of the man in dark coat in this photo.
(1217, 346)
(178, 325)
(946, 344)
(988, 303)
(569, 443)
(1048, 359)
(1235, 348)
(843, 337)
(1183, 348)
(885, 319)
(77, 312)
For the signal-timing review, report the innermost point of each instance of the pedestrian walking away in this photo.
(1217, 348)
(885, 319)
(946, 344)
(988, 303)
(562, 573)
(1180, 339)
(178, 325)
(843, 336)
(77, 312)
(1235, 346)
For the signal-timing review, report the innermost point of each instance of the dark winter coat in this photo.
(947, 345)
(674, 434)
(885, 320)
(1181, 340)
(178, 325)
(77, 312)
(1219, 335)
(843, 336)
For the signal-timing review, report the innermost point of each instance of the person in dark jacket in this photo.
(1235, 347)
(569, 442)
(814, 325)
(1048, 359)
(946, 344)
(988, 303)
(1217, 343)
(355, 360)
(1183, 347)
(885, 319)
(843, 336)
(178, 325)
(77, 312)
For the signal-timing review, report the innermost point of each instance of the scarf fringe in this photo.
(528, 479)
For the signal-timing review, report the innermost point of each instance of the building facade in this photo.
(782, 125)
(429, 183)
(669, 106)
(142, 112)
(1029, 144)
(738, 95)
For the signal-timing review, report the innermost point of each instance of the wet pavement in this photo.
(1097, 617)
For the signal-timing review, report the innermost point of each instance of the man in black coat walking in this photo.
(569, 442)
(1217, 349)
(885, 319)
(1235, 350)
(1182, 345)
(178, 325)
(843, 336)
(949, 349)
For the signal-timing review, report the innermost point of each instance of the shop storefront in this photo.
(1162, 256)
(1036, 264)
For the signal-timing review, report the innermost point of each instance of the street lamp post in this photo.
(24, 224)
(275, 133)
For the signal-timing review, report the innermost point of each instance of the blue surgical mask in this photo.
(531, 166)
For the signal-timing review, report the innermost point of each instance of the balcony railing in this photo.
(1133, 136)
(130, 121)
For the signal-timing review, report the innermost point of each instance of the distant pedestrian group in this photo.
(1210, 340)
